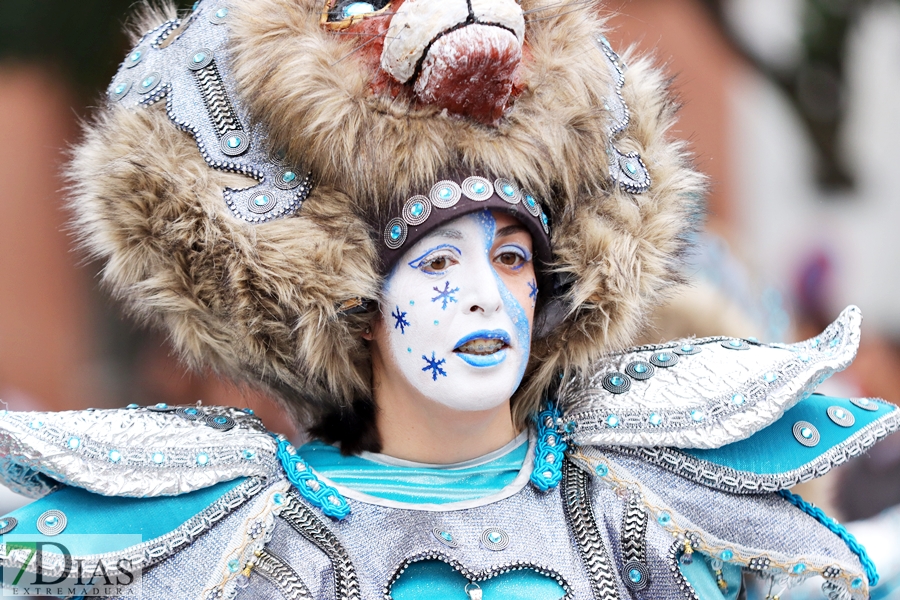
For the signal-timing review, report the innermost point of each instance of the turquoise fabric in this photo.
(701, 576)
(89, 513)
(436, 580)
(775, 450)
(416, 484)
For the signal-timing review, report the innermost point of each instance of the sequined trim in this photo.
(307, 524)
(282, 576)
(580, 516)
(683, 584)
(476, 576)
(743, 482)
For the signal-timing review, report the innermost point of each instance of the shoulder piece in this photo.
(811, 438)
(140, 452)
(702, 393)
(124, 534)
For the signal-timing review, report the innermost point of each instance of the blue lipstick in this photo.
(484, 360)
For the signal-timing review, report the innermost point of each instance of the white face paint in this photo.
(457, 312)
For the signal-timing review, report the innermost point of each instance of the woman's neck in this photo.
(415, 428)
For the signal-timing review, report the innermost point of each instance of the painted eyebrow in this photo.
(453, 234)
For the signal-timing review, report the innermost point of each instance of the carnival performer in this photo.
(430, 228)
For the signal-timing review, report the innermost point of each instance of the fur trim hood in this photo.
(262, 299)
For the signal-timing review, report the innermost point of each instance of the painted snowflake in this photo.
(434, 365)
(534, 291)
(400, 320)
(446, 296)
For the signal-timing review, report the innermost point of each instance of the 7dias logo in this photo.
(69, 565)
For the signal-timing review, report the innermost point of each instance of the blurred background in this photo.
(789, 106)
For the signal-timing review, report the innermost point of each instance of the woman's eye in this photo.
(510, 259)
(437, 264)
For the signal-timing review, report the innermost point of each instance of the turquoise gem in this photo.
(737, 399)
(135, 56)
(261, 200)
(203, 459)
(544, 219)
(494, 537)
(396, 232)
(445, 193)
(115, 455)
(664, 518)
(199, 57)
(148, 82)
(121, 88)
(697, 415)
(529, 201)
(221, 420)
(629, 166)
(799, 568)
(726, 555)
(234, 142)
(612, 421)
(856, 583)
(4, 524)
(162, 406)
(74, 442)
(770, 377)
(602, 470)
(863, 401)
(736, 344)
(191, 411)
(840, 414)
(288, 176)
(617, 381)
(663, 357)
(249, 454)
(478, 187)
(132, 406)
(358, 8)
(508, 190)
(51, 521)
(248, 411)
(278, 499)
(804, 357)
(417, 209)
(222, 13)
(655, 419)
(159, 458)
(806, 432)
(640, 368)
(233, 565)
(635, 576)
(446, 535)
(687, 348)
(605, 41)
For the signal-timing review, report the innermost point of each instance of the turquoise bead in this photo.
(288, 177)
(199, 57)
(222, 13)
(396, 232)
(726, 555)
(494, 537)
(664, 518)
(602, 470)
(655, 419)
(417, 209)
(799, 568)
(234, 142)
(635, 576)
(233, 565)
(259, 201)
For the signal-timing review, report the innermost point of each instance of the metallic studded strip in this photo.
(701, 393)
(743, 482)
(477, 576)
(216, 99)
(634, 530)
(307, 524)
(684, 585)
(580, 516)
(282, 576)
(149, 553)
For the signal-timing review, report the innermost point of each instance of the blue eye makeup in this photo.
(517, 250)
(444, 251)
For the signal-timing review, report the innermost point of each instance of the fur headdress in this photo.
(191, 184)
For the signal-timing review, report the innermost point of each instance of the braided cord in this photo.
(322, 496)
(549, 451)
(819, 515)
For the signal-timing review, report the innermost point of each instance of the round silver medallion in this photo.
(478, 189)
(444, 537)
(220, 422)
(841, 416)
(736, 345)
(7, 524)
(664, 359)
(149, 82)
(865, 404)
(119, 91)
(261, 204)
(494, 538)
(640, 370)
(531, 204)
(52, 522)
(200, 59)
(190, 413)
(507, 190)
(234, 143)
(218, 15)
(636, 575)
(288, 179)
(416, 210)
(395, 233)
(806, 433)
(616, 383)
(445, 194)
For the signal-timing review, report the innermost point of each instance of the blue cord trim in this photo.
(300, 474)
(819, 515)
(549, 451)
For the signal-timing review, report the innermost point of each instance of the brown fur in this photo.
(259, 302)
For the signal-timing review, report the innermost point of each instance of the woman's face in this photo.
(457, 312)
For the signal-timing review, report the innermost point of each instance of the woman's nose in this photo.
(482, 293)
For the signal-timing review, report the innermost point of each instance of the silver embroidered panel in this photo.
(147, 554)
(187, 63)
(702, 393)
(133, 452)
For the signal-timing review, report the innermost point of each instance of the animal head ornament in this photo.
(243, 181)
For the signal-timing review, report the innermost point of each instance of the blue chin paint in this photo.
(482, 361)
(513, 308)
